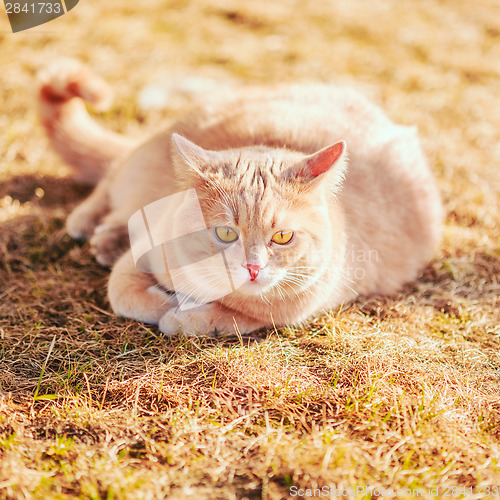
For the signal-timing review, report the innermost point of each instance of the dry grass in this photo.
(392, 392)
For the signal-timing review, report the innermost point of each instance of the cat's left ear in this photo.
(327, 164)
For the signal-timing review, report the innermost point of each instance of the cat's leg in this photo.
(85, 217)
(135, 294)
(206, 318)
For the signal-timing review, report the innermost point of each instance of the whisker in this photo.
(265, 299)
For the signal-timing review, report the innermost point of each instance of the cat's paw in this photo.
(109, 242)
(81, 223)
(148, 305)
(198, 321)
(204, 319)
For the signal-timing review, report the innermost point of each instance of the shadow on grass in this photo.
(56, 191)
(51, 286)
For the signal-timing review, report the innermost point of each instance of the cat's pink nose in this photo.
(253, 269)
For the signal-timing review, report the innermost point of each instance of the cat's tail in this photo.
(82, 142)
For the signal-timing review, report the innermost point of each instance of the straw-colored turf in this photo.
(389, 393)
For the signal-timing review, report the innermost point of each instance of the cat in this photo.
(326, 196)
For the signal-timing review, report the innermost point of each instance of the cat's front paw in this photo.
(197, 321)
(81, 223)
(109, 242)
(204, 319)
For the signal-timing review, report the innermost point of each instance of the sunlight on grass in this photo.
(395, 392)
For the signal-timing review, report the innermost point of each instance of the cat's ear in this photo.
(194, 156)
(327, 163)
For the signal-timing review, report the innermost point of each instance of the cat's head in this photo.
(269, 213)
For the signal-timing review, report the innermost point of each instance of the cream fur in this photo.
(365, 222)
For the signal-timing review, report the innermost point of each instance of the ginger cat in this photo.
(326, 197)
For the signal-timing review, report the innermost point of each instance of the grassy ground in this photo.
(398, 392)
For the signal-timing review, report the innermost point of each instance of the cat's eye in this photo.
(226, 234)
(282, 237)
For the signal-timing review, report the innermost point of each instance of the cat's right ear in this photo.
(193, 155)
(328, 163)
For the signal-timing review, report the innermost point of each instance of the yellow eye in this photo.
(282, 237)
(226, 234)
